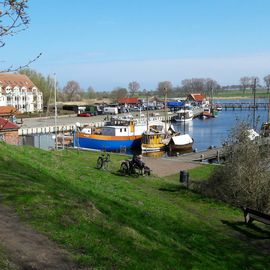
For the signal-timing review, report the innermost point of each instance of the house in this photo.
(18, 90)
(128, 101)
(9, 132)
(8, 111)
(198, 99)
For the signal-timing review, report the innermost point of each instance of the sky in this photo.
(109, 43)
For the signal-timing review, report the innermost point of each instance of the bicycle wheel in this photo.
(136, 171)
(124, 168)
(106, 165)
(100, 163)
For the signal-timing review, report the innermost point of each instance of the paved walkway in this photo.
(165, 167)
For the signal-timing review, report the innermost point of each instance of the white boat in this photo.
(181, 142)
(184, 115)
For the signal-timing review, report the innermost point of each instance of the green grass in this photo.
(109, 221)
(239, 93)
(5, 263)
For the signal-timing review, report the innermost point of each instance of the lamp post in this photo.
(55, 113)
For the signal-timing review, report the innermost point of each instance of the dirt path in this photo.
(164, 167)
(27, 248)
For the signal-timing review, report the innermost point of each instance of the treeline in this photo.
(72, 91)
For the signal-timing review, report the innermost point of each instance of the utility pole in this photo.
(165, 108)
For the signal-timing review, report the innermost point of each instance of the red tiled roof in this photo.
(7, 110)
(5, 124)
(197, 97)
(12, 80)
(128, 100)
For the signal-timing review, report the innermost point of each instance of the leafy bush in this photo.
(244, 179)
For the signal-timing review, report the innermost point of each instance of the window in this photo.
(120, 129)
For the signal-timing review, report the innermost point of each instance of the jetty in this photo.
(245, 105)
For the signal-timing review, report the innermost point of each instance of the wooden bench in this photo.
(251, 214)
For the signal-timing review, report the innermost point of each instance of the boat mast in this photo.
(165, 108)
(147, 112)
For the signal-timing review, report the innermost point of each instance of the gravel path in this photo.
(164, 167)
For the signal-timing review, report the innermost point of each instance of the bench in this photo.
(251, 214)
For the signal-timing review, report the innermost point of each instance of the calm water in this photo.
(213, 131)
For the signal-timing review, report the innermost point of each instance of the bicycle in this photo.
(129, 167)
(103, 161)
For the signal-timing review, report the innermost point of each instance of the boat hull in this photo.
(153, 147)
(179, 148)
(183, 120)
(108, 143)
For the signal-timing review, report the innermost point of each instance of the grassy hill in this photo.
(109, 221)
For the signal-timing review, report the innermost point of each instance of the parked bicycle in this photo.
(129, 167)
(103, 161)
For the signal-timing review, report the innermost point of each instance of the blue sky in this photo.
(108, 43)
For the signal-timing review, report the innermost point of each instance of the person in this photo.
(137, 159)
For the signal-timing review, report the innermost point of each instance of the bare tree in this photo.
(13, 19)
(72, 91)
(119, 92)
(90, 93)
(210, 86)
(133, 87)
(194, 85)
(245, 83)
(163, 87)
(267, 82)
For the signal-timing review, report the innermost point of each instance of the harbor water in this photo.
(212, 132)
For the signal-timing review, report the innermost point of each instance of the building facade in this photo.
(19, 91)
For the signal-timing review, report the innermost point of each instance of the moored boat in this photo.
(184, 115)
(181, 142)
(152, 142)
(117, 135)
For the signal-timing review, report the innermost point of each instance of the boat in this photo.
(184, 115)
(181, 142)
(118, 134)
(153, 138)
(208, 113)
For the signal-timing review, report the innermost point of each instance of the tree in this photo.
(194, 85)
(119, 92)
(245, 83)
(164, 87)
(244, 178)
(133, 87)
(13, 19)
(210, 86)
(45, 85)
(72, 91)
(267, 82)
(90, 93)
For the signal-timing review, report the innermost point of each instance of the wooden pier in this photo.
(245, 106)
(201, 156)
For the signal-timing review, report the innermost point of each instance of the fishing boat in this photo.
(184, 115)
(153, 138)
(118, 134)
(208, 113)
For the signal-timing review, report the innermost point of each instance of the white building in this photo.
(19, 91)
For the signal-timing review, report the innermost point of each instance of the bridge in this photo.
(245, 105)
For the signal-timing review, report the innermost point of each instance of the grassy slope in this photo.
(108, 221)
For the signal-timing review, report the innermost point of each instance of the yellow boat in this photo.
(152, 142)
